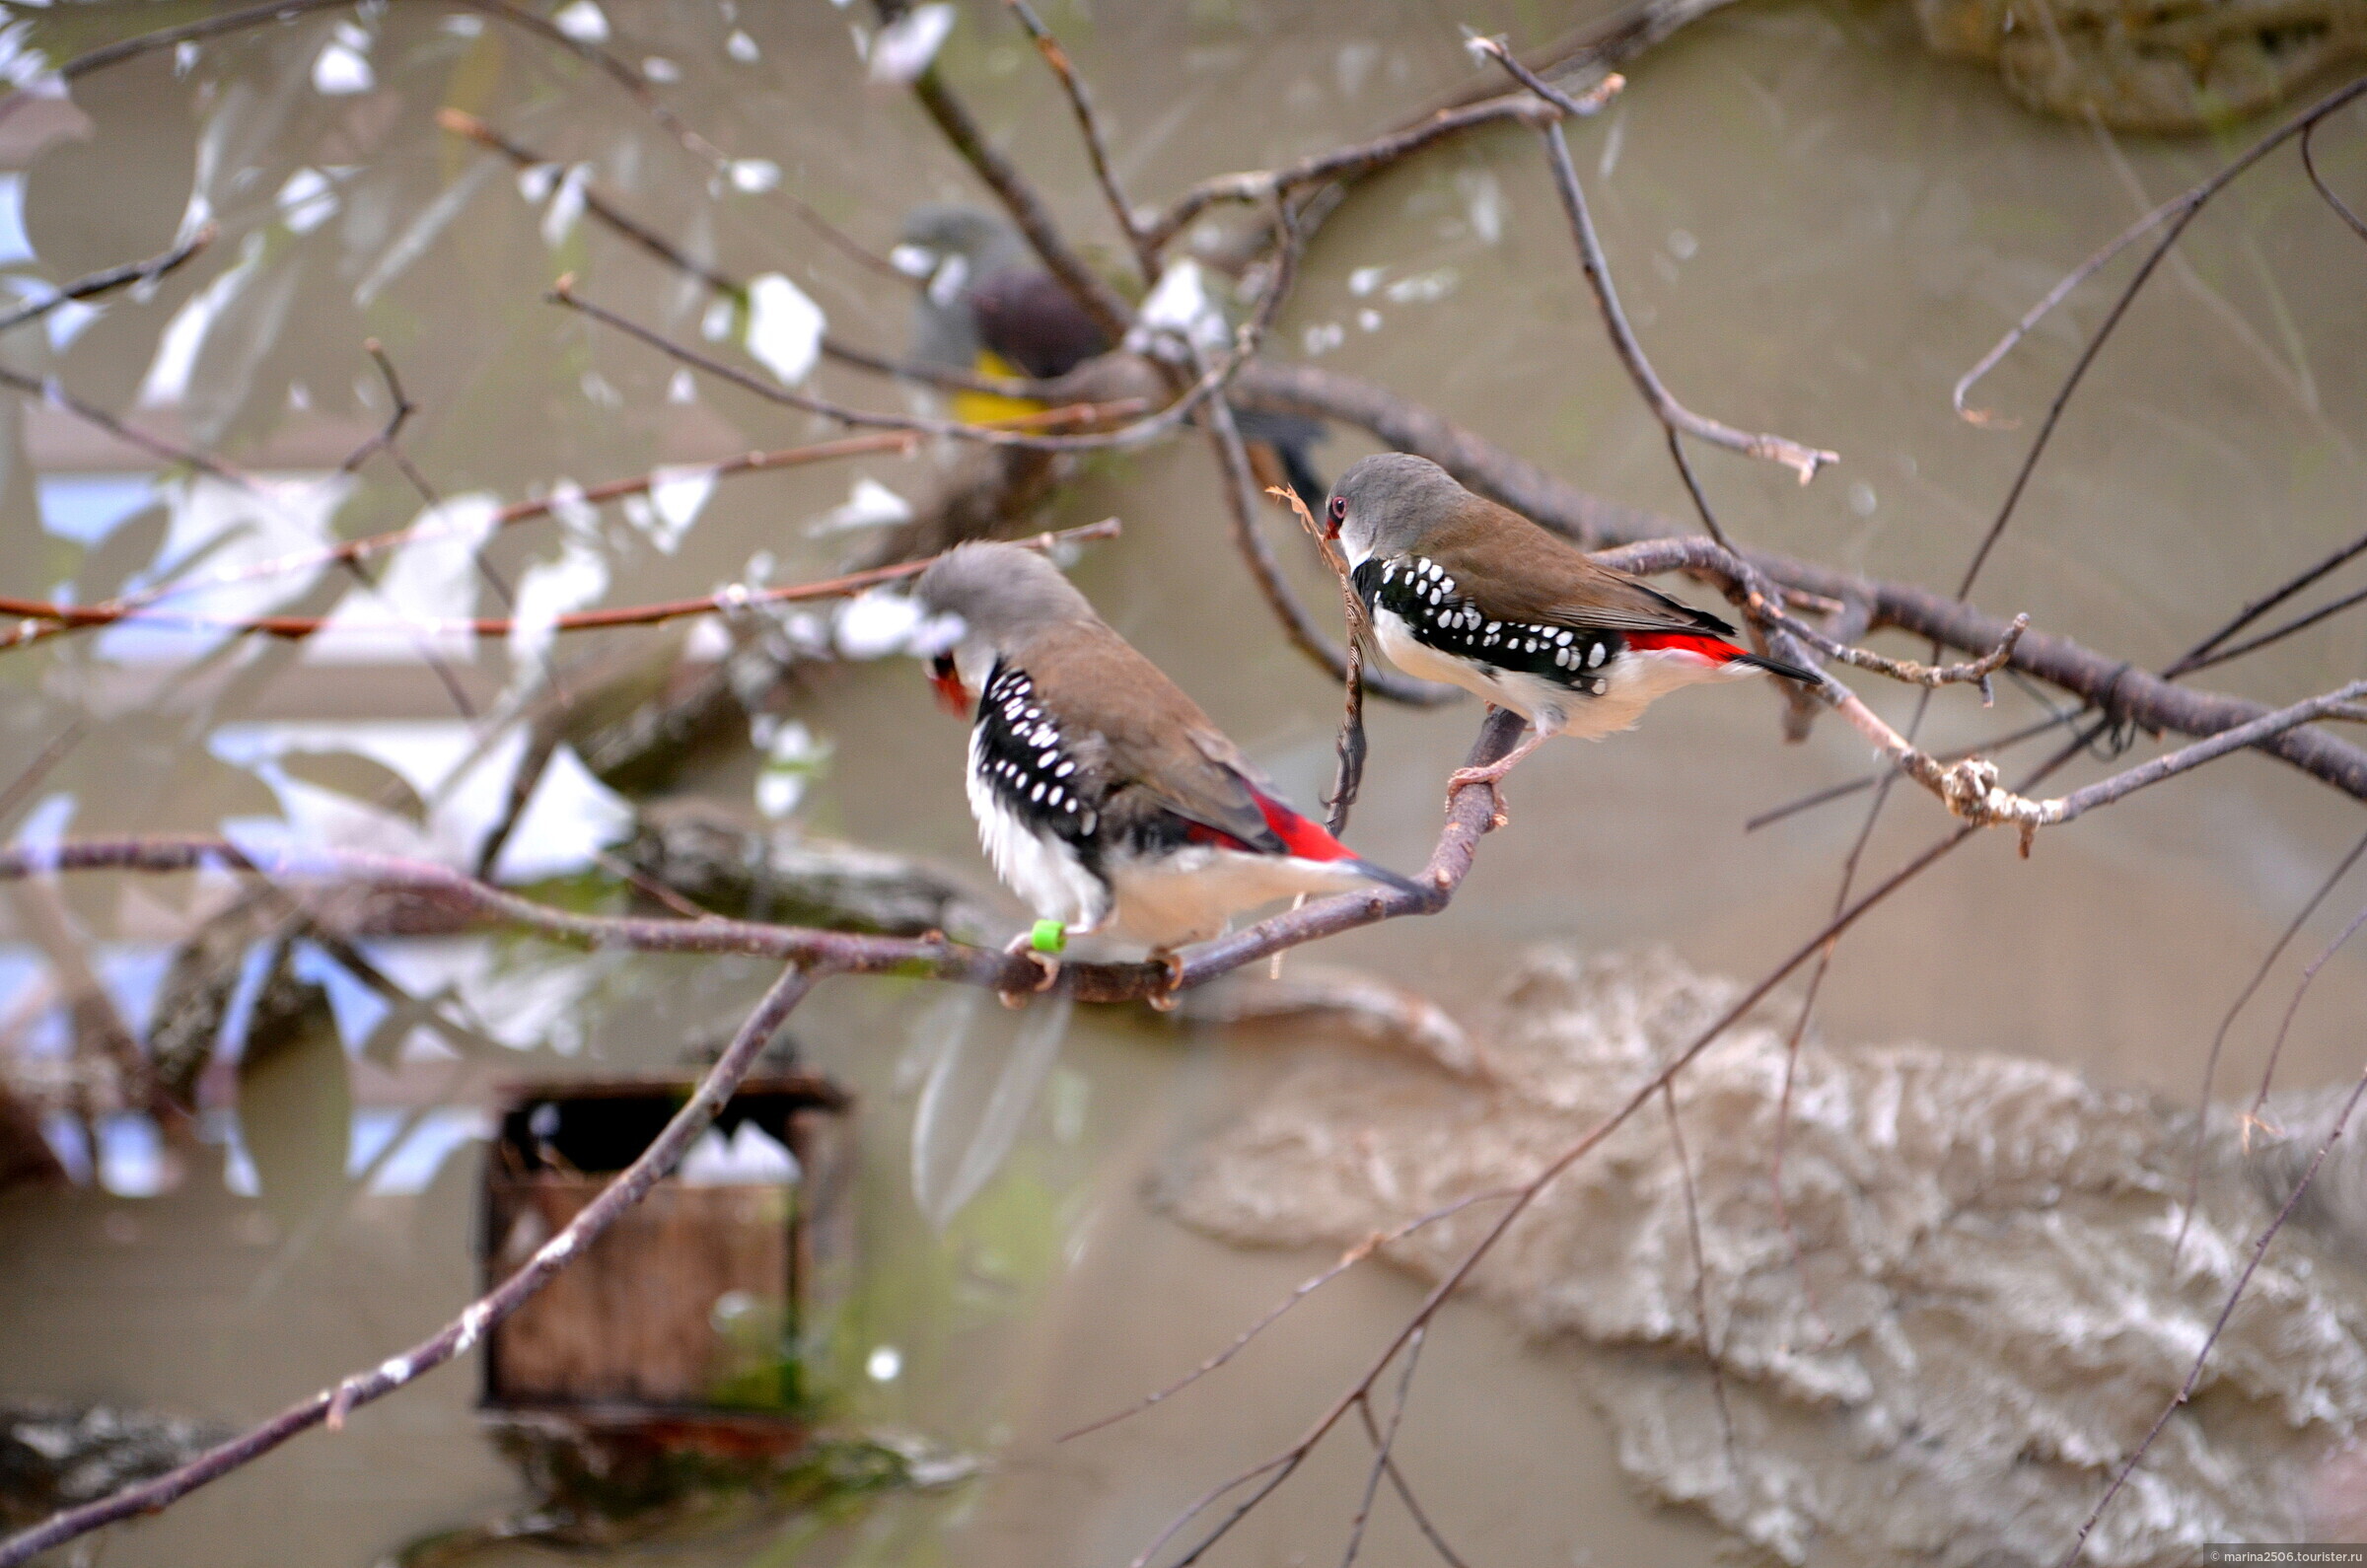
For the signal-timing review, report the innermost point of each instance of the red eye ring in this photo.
(1340, 508)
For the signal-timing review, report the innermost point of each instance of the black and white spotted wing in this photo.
(1424, 596)
(1018, 755)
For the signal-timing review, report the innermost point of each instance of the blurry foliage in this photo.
(295, 1095)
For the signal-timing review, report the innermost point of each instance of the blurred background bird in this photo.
(986, 305)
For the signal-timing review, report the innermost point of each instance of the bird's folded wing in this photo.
(1157, 747)
(1513, 570)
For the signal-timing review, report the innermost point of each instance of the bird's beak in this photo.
(946, 676)
(1331, 523)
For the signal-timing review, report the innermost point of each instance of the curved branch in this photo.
(457, 1338)
(2179, 207)
(1341, 163)
(1803, 460)
(457, 900)
(1093, 293)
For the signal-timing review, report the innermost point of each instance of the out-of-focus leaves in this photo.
(976, 1098)
(295, 1097)
(127, 549)
(195, 997)
(106, 362)
(239, 339)
(147, 777)
(365, 779)
(119, 195)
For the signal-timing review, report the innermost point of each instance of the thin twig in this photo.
(1347, 778)
(729, 600)
(2210, 1061)
(2284, 1027)
(1388, 1441)
(461, 123)
(2180, 208)
(1257, 187)
(2309, 162)
(1140, 433)
(2279, 633)
(902, 441)
(1801, 460)
(1093, 293)
(2201, 1357)
(2256, 609)
(193, 31)
(1693, 1229)
(1239, 487)
(106, 281)
(1405, 1490)
(1299, 1293)
(645, 96)
(1974, 672)
(1089, 129)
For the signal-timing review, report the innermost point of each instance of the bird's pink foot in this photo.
(1168, 1000)
(1491, 775)
(1047, 967)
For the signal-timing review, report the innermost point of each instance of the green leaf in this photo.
(295, 1097)
(128, 547)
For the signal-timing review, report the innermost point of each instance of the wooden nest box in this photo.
(694, 1304)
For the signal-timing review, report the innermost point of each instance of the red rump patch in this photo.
(1716, 650)
(1308, 840)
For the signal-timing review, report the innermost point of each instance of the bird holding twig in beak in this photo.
(1461, 589)
(1105, 798)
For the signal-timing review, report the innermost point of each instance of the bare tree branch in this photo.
(1345, 163)
(1801, 460)
(107, 280)
(1089, 127)
(1093, 293)
(459, 901)
(458, 1337)
(730, 599)
(2178, 209)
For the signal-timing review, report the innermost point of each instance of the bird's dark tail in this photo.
(1388, 878)
(1777, 667)
(1300, 471)
(1291, 436)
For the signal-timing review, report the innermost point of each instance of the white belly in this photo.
(1039, 866)
(1632, 681)
(1193, 894)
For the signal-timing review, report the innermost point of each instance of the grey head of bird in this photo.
(990, 600)
(945, 247)
(1387, 504)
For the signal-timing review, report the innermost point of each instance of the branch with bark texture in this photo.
(2116, 686)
